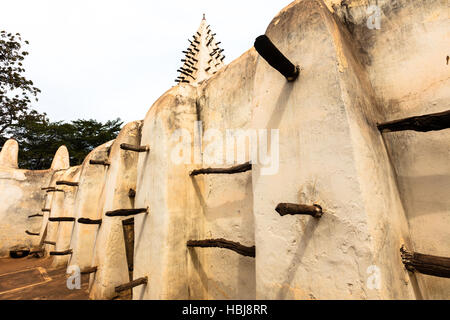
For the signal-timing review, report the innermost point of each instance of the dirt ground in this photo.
(32, 278)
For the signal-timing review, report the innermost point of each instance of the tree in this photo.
(39, 139)
(16, 92)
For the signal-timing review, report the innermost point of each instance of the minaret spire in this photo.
(203, 57)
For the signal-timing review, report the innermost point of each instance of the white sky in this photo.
(106, 59)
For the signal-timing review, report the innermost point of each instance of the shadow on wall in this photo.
(426, 195)
(297, 258)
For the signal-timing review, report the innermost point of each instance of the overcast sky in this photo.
(101, 59)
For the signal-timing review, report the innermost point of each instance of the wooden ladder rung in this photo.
(66, 183)
(130, 147)
(89, 221)
(299, 209)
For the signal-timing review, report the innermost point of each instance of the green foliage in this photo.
(40, 139)
(16, 92)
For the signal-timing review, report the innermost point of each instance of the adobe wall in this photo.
(175, 213)
(330, 153)
(378, 191)
(406, 63)
(110, 252)
(21, 196)
(88, 205)
(64, 206)
(224, 103)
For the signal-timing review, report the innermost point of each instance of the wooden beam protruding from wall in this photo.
(89, 221)
(232, 170)
(130, 147)
(424, 123)
(299, 209)
(100, 162)
(426, 264)
(265, 47)
(126, 212)
(66, 183)
(36, 215)
(225, 244)
(132, 284)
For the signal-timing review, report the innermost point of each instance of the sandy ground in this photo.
(32, 279)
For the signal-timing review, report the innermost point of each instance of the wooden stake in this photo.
(425, 123)
(89, 221)
(185, 73)
(129, 147)
(55, 190)
(132, 284)
(89, 270)
(225, 244)
(36, 215)
(299, 209)
(61, 219)
(125, 212)
(426, 264)
(99, 162)
(67, 183)
(236, 169)
(275, 58)
(61, 253)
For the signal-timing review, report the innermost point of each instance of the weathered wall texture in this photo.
(406, 63)
(21, 196)
(110, 252)
(331, 154)
(166, 188)
(378, 191)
